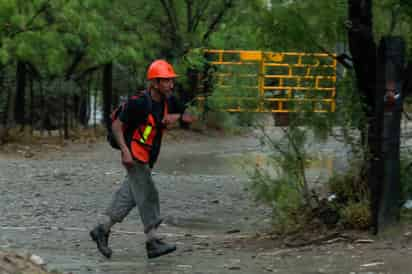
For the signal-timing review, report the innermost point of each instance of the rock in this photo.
(270, 269)
(364, 241)
(232, 231)
(184, 266)
(201, 243)
(408, 204)
(37, 260)
(189, 249)
(372, 264)
(28, 154)
(233, 265)
(11, 263)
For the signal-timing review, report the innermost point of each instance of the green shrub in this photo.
(282, 195)
(352, 196)
(406, 176)
(351, 185)
(356, 215)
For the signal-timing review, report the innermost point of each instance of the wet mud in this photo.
(50, 201)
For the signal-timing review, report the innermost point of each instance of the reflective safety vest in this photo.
(144, 135)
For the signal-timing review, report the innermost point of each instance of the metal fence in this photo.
(277, 82)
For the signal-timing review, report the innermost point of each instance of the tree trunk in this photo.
(19, 109)
(364, 55)
(31, 111)
(84, 108)
(376, 73)
(65, 118)
(43, 111)
(95, 108)
(107, 92)
(76, 99)
(3, 105)
(11, 99)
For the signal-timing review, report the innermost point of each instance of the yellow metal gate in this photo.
(274, 82)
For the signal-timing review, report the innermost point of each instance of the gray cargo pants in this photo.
(139, 190)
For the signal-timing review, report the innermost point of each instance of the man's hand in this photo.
(127, 159)
(170, 119)
(188, 118)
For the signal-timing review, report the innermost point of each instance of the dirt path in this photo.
(50, 201)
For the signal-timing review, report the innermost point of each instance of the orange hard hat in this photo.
(160, 69)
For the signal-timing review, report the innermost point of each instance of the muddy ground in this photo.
(50, 200)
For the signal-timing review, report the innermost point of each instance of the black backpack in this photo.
(111, 139)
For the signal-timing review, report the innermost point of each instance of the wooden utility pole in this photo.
(392, 54)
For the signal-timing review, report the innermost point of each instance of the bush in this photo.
(352, 196)
(351, 185)
(356, 215)
(282, 195)
(406, 176)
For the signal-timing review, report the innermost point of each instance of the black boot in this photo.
(101, 237)
(157, 247)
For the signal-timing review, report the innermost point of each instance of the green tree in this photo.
(68, 39)
(292, 25)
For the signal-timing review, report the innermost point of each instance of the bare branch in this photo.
(301, 160)
(169, 15)
(44, 7)
(170, 10)
(78, 57)
(199, 14)
(87, 72)
(213, 25)
(342, 58)
(189, 7)
(174, 14)
(396, 10)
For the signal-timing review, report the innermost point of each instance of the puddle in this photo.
(197, 223)
(203, 164)
(242, 164)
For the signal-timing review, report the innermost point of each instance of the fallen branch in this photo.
(327, 239)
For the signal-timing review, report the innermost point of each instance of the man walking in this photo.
(138, 131)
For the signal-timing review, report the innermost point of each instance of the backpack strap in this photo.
(148, 99)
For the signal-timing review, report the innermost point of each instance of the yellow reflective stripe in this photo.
(146, 134)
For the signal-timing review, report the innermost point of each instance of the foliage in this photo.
(243, 31)
(293, 155)
(356, 215)
(349, 186)
(405, 174)
(281, 192)
(352, 195)
(282, 182)
(60, 41)
(293, 26)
